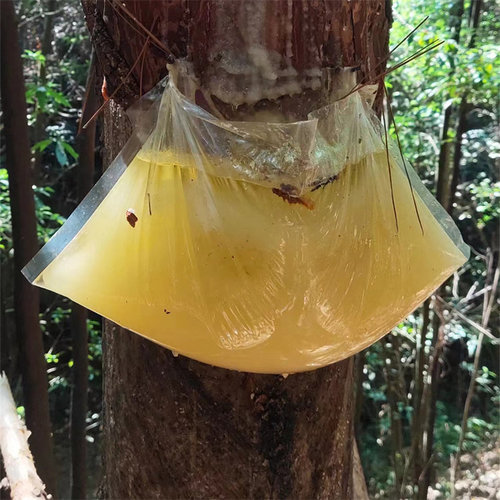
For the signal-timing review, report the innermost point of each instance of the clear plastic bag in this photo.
(264, 247)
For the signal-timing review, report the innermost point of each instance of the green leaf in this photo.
(42, 145)
(58, 97)
(34, 56)
(41, 96)
(61, 155)
(70, 150)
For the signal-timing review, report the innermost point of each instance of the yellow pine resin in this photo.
(231, 273)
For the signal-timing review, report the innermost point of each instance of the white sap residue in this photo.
(247, 72)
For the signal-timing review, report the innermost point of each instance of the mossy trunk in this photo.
(177, 428)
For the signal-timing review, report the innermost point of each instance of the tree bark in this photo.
(359, 488)
(448, 175)
(176, 428)
(392, 372)
(46, 50)
(418, 417)
(85, 143)
(26, 296)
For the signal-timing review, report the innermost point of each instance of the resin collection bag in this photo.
(264, 247)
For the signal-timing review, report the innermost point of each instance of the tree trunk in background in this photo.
(177, 428)
(46, 50)
(26, 297)
(394, 391)
(85, 143)
(359, 488)
(448, 174)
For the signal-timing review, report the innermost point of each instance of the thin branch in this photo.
(489, 300)
(23, 479)
(472, 323)
(36, 16)
(101, 108)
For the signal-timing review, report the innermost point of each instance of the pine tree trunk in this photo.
(46, 49)
(26, 296)
(176, 428)
(85, 143)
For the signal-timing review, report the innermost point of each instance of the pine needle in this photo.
(382, 75)
(431, 46)
(101, 108)
(89, 87)
(386, 58)
(391, 117)
(145, 32)
(390, 172)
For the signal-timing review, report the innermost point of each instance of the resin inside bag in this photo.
(258, 247)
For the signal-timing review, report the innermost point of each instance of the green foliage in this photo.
(47, 220)
(54, 84)
(446, 432)
(21, 412)
(5, 217)
(460, 73)
(50, 102)
(375, 438)
(34, 56)
(47, 99)
(56, 324)
(485, 202)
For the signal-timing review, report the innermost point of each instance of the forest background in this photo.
(434, 378)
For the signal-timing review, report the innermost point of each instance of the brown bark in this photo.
(325, 33)
(418, 418)
(79, 402)
(443, 170)
(359, 489)
(432, 390)
(474, 17)
(359, 377)
(444, 173)
(26, 297)
(46, 49)
(176, 428)
(85, 173)
(395, 394)
(457, 153)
